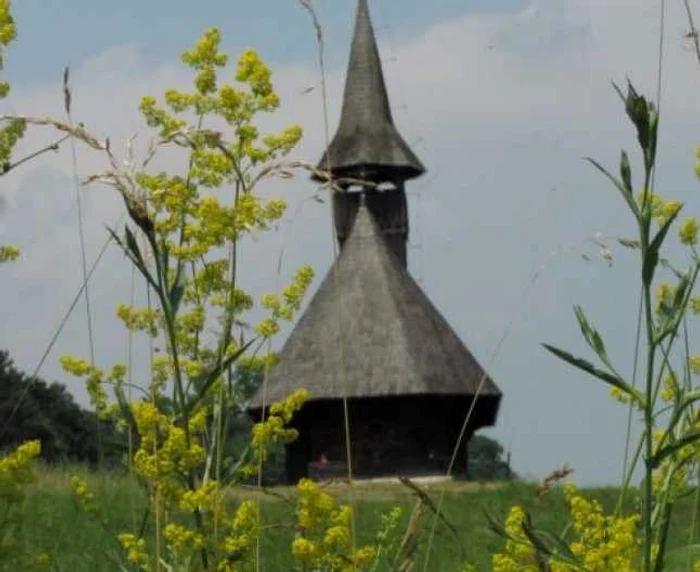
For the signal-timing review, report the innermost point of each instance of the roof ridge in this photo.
(394, 265)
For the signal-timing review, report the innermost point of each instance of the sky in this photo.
(501, 100)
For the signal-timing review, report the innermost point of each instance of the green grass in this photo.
(54, 523)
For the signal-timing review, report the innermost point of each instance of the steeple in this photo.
(367, 144)
(370, 346)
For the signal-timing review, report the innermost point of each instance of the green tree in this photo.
(486, 461)
(30, 409)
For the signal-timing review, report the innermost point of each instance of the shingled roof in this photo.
(370, 331)
(367, 144)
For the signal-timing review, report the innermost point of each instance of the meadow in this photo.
(191, 508)
(55, 524)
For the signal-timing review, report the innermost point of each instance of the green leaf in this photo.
(651, 257)
(118, 240)
(681, 289)
(626, 173)
(619, 92)
(176, 294)
(561, 548)
(687, 400)
(133, 245)
(164, 256)
(687, 439)
(637, 110)
(605, 376)
(618, 185)
(533, 537)
(591, 334)
(549, 544)
(495, 526)
(650, 154)
(139, 264)
(675, 311)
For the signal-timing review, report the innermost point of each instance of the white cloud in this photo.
(506, 105)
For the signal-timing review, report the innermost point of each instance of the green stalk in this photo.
(665, 526)
(648, 492)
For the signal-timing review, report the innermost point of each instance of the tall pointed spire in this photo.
(367, 144)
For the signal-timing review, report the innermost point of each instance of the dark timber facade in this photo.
(370, 338)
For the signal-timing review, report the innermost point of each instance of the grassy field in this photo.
(55, 524)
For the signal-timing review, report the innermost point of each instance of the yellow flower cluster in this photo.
(601, 543)
(205, 498)
(16, 471)
(695, 305)
(161, 370)
(135, 550)
(664, 296)
(661, 210)
(139, 320)
(13, 131)
(274, 429)
(604, 542)
(94, 382)
(670, 388)
(205, 58)
(210, 224)
(324, 541)
(619, 395)
(688, 231)
(694, 363)
(8, 30)
(42, 561)
(243, 531)
(8, 253)
(210, 279)
(85, 496)
(165, 453)
(287, 408)
(181, 540)
(285, 307)
(518, 554)
(175, 198)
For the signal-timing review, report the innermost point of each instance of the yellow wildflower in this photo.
(688, 231)
(694, 363)
(181, 539)
(135, 550)
(304, 550)
(16, 471)
(85, 496)
(695, 304)
(620, 395)
(8, 253)
(664, 295)
(42, 560)
(670, 388)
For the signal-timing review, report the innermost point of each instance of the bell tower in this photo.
(368, 148)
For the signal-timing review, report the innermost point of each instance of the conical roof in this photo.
(370, 331)
(367, 144)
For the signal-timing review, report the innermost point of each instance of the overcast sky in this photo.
(501, 100)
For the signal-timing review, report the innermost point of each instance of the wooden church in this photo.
(370, 340)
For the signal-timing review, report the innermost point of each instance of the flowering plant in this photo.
(667, 399)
